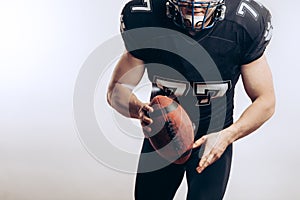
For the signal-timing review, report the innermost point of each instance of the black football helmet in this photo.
(196, 15)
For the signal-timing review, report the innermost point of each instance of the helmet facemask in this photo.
(195, 15)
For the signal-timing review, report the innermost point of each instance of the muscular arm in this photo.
(127, 74)
(258, 83)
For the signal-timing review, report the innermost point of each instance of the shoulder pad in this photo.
(143, 13)
(249, 14)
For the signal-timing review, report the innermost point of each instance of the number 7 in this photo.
(146, 7)
(243, 7)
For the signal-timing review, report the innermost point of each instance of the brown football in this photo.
(172, 133)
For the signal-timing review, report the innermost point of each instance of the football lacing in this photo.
(171, 128)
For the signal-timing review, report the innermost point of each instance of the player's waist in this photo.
(205, 125)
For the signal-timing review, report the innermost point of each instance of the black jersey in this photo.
(201, 70)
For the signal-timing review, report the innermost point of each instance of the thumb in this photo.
(199, 142)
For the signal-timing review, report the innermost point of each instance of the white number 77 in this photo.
(205, 91)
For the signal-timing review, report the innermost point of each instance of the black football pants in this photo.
(163, 183)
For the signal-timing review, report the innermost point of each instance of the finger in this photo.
(200, 167)
(209, 160)
(147, 129)
(199, 142)
(146, 120)
(147, 108)
(203, 164)
(145, 114)
(206, 161)
(203, 161)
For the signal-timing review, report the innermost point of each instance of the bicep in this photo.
(257, 79)
(128, 72)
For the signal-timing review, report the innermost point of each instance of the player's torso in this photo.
(201, 70)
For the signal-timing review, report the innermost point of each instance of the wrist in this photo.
(134, 109)
(231, 133)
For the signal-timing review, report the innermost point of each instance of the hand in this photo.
(214, 145)
(144, 117)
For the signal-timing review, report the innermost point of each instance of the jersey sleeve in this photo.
(136, 14)
(257, 35)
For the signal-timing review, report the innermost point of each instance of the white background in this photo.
(43, 45)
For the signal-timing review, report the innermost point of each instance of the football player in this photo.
(233, 36)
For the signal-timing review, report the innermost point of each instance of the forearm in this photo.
(252, 118)
(124, 101)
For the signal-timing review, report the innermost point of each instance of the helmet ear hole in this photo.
(168, 11)
(220, 13)
(171, 10)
